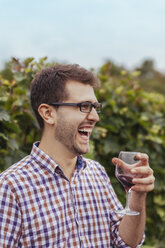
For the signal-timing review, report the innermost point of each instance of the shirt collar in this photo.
(47, 162)
(80, 162)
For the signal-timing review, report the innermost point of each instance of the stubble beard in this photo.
(66, 134)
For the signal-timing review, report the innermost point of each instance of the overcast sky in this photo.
(87, 32)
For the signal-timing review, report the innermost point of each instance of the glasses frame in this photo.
(92, 105)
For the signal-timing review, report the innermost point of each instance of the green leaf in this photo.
(3, 136)
(19, 77)
(159, 200)
(4, 116)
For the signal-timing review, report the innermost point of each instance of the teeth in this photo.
(85, 130)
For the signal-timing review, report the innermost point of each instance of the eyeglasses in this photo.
(85, 107)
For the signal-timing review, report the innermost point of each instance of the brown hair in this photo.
(49, 85)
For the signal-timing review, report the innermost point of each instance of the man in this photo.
(56, 198)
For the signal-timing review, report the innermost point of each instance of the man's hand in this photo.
(144, 178)
(131, 228)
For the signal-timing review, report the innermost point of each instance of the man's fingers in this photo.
(143, 157)
(121, 163)
(146, 180)
(142, 170)
(143, 188)
(144, 184)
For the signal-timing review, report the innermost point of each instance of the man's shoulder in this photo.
(91, 162)
(94, 165)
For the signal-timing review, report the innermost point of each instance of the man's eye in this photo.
(85, 105)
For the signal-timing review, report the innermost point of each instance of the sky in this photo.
(85, 32)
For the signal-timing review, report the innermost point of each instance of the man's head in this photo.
(50, 85)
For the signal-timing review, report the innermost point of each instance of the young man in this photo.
(56, 198)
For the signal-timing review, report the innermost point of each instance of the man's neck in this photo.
(60, 155)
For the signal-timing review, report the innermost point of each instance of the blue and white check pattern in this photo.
(39, 207)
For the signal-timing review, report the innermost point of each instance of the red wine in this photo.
(125, 180)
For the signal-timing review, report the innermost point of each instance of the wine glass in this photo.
(125, 178)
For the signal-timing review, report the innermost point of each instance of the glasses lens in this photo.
(86, 107)
(98, 107)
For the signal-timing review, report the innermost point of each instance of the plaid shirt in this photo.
(39, 207)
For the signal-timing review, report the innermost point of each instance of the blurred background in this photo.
(123, 43)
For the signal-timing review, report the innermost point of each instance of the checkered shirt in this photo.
(39, 207)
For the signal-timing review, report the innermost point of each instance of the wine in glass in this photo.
(125, 178)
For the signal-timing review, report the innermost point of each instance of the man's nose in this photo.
(93, 115)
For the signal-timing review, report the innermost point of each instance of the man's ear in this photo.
(48, 113)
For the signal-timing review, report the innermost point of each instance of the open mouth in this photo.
(85, 133)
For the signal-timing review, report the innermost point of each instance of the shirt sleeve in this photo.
(10, 218)
(115, 219)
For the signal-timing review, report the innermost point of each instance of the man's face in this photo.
(73, 127)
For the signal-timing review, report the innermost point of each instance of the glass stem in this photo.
(128, 199)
